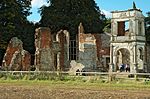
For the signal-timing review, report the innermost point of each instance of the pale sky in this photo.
(105, 5)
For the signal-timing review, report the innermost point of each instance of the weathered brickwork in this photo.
(14, 45)
(52, 51)
(26, 60)
(125, 45)
(44, 52)
(87, 51)
(63, 39)
(92, 49)
(103, 51)
(15, 57)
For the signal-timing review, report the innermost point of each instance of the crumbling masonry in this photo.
(15, 57)
(126, 44)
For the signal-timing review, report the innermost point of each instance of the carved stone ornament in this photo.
(122, 15)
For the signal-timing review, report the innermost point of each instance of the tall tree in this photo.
(13, 22)
(107, 25)
(13, 17)
(147, 26)
(67, 14)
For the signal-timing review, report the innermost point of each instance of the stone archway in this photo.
(122, 57)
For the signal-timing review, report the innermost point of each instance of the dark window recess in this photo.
(123, 28)
(141, 54)
(73, 50)
(140, 28)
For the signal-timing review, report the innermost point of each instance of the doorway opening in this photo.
(122, 58)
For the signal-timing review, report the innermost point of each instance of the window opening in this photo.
(140, 28)
(73, 47)
(123, 28)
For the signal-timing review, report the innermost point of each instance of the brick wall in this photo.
(44, 55)
(15, 57)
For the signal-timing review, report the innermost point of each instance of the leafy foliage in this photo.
(107, 25)
(147, 26)
(13, 22)
(13, 15)
(67, 14)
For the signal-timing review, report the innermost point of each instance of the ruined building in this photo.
(55, 52)
(126, 44)
(93, 50)
(52, 53)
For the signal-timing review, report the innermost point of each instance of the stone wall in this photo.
(44, 56)
(87, 51)
(103, 51)
(52, 51)
(92, 49)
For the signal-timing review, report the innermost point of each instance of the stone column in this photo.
(136, 27)
(58, 61)
(134, 69)
(130, 26)
(144, 59)
(143, 28)
(111, 65)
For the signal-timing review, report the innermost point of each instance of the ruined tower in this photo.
(128, 40)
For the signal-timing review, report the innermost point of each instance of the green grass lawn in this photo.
(79, 84)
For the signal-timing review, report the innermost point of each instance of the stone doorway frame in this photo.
(123, 58)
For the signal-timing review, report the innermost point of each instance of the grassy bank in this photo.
(54, 80)
(126, 85)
